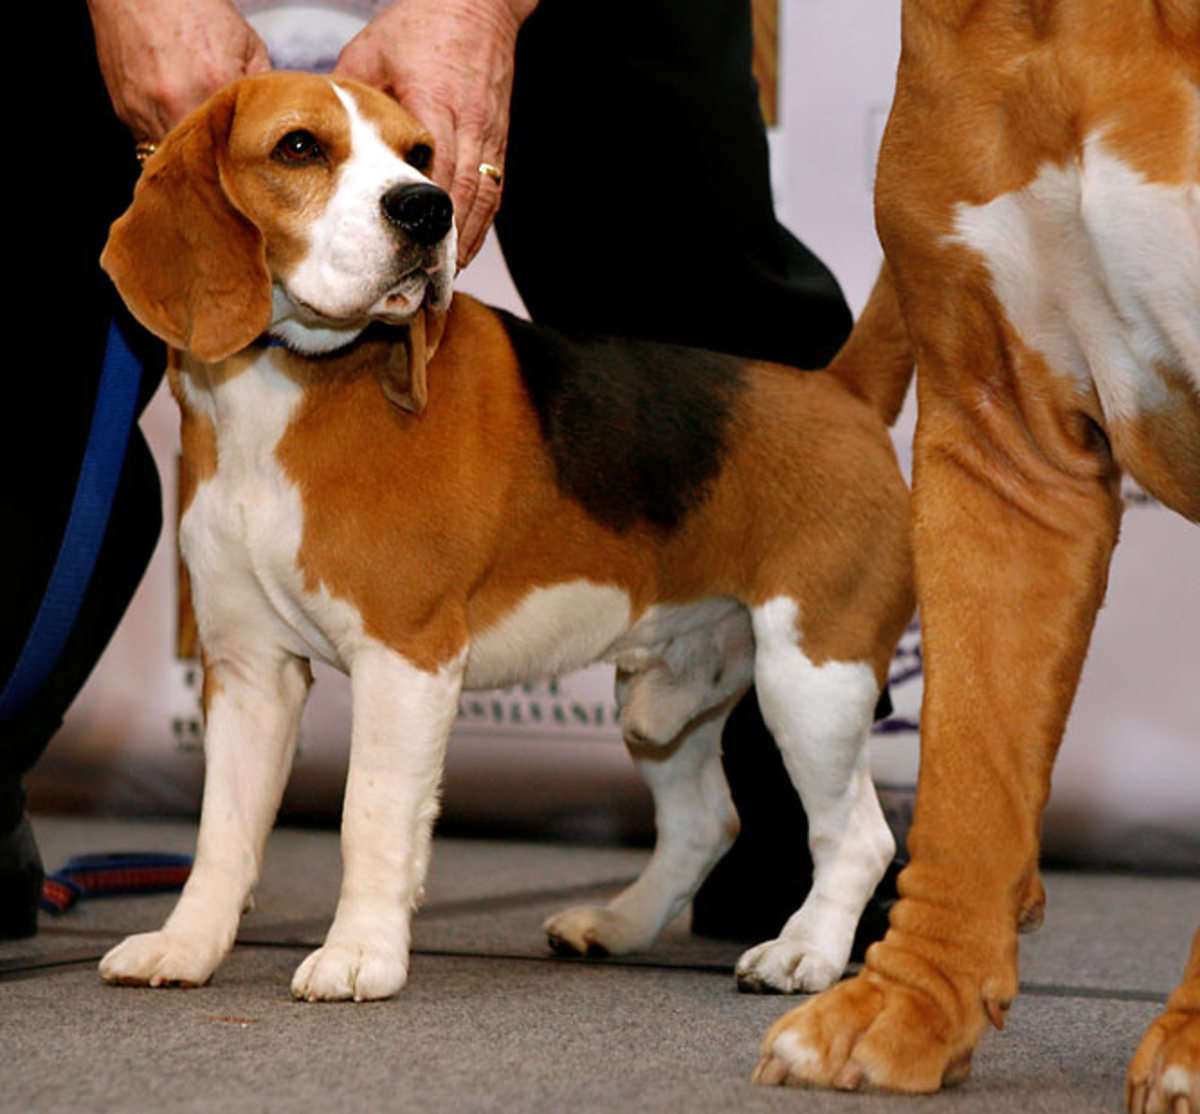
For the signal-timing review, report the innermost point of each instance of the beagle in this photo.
(1038, 202)
(432, 495)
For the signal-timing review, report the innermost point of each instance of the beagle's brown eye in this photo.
(298, 147)
(420, 157)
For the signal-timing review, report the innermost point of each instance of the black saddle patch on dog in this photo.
(637, 430)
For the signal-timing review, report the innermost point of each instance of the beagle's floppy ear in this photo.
(403, 377)
(190, 267)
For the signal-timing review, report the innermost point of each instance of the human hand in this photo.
(450, 63)
(161, 60)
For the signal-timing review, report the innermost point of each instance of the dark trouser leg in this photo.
(637, 196)
(133, 530)
(90, 178)
(637, 202)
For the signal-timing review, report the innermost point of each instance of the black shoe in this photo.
(21, 878)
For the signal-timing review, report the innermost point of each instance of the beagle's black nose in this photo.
(422, 211)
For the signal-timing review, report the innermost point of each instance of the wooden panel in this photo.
(766, 57)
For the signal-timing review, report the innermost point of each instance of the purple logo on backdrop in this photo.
(1134, 497)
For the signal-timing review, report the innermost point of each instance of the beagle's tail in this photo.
(876, 362)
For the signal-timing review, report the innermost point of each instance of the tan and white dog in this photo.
(1038, 201)
(430, 495)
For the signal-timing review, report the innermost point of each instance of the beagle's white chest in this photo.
(241, 534)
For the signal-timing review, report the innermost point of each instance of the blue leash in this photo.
(113, 875)
(103, 458)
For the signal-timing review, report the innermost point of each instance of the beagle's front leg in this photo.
(402, 719)
(253, 705)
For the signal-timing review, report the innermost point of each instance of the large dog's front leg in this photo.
(402, 719)
(1012, 549)
(253, 716)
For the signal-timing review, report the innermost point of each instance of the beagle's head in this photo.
(289, 204)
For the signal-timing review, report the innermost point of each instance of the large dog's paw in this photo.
(867, 1034)
(162, 959)
(1164, 1075)
(787, 966)
(594, 930)
(342, 972)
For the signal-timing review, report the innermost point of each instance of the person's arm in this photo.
(450, 63)
(162, 59)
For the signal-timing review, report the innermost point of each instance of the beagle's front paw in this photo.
(867, 1033)
(787, 966)
(341, 972)
(162, 959)
(1164, 1075)
(594, 930)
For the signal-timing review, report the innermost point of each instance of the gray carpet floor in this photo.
(490, 1021)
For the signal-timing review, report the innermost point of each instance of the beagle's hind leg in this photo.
(820, 716)
(696, 825)
(673, 726)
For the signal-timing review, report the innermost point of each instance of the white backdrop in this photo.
(1127, 788)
